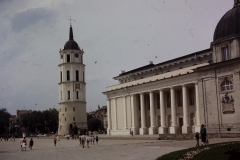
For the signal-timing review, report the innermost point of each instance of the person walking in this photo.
(88, 139)
(24, 144)
(197, 139)
(93, 139)
(83, 140)
(31, 144)
(97, 139)
(80, 140)
(203, 133)
(55, 141)
(20, 141)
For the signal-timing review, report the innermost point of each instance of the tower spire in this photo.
(71, 33)
(71, 30)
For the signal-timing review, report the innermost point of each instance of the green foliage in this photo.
(93, 123)
(4, 121)
(40, 121)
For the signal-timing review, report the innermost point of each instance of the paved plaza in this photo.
(107, 149)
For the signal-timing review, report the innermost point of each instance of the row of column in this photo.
(153, 129)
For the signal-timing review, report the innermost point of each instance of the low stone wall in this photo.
(190, 136)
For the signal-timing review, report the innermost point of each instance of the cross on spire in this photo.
(71, 20)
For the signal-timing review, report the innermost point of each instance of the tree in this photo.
(93, 123)
(4, 121)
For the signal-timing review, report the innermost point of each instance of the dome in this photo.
(229, 24)
(71, 44)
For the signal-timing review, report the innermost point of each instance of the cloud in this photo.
(30, 17)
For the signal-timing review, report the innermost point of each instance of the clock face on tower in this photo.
(76, 55)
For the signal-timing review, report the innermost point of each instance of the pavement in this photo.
(107, 149)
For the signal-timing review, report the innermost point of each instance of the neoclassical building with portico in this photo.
(179, 95)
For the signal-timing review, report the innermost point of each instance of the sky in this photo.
(114, 34)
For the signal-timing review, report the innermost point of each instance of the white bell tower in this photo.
(72, 89)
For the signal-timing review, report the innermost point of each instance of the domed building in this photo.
(177, 96)
(72, 89)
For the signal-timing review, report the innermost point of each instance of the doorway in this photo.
(180, 124)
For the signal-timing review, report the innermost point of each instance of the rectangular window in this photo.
(168, 99)
(179, 98)
(191, 96)
(77, 95)
(61, 76)
(68, 75)
(77, 75)
(73, 108)
(73, 118)
(83, 77)
(61, 95)
(68, 57)
(225, 53)
(65, 109)
(68, 94)
(65, 119)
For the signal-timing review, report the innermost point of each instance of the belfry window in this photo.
(77, 75)
(68, 57)
(225, 53)
(61, 76)
(226, 85)
(73, 108)
(68, 75)
(68, 95)
(83, 76)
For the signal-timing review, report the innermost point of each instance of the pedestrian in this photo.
(203, 133)
(24, 144)
(197, 139)
(88, 139)
(20, 141)
(58, 139)
(55, 141)
(31, 144)
(97, 139)
(83, 140)
(80, 140)
(14, 139)
(93, 140)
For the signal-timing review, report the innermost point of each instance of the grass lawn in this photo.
(230, 151)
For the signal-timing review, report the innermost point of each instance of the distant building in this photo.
(72, 88)
(101, 114)
(179, 95)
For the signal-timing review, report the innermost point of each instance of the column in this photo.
(152, 129)
(124, 113)
(109, 116)
(134, 114)
(115, 113)
(173, 128)
(143, 129)
(197, 114)
(162, 128)
(185, 127)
